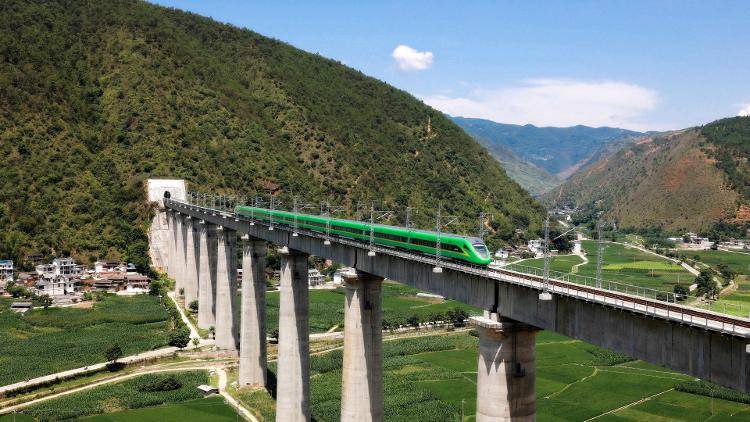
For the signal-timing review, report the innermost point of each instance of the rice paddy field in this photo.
(45, 341)
(622, 264)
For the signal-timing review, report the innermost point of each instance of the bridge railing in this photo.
(727, 308)
(707, 316)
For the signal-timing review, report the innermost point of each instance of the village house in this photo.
(60, 266)
(56, 285)
(109, 267)
(315, 278)
(6, 270)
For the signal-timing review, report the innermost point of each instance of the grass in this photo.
(46, 341)
(201, 410)
(622, 264)
(117, 397)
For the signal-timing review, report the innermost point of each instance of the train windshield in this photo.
(481, 250)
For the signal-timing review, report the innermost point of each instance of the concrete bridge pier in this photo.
(170, 241)
(253, 321)
(179, 252)
(192, 253)
(227, 326)
(362, 383)
(506, 372)
(293, 369)
(207, 275)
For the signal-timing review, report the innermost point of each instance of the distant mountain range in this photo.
(540, 158)
(693, 179)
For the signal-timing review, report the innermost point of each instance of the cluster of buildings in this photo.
(63, 279)
(691, 241)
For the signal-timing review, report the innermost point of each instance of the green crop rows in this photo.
(46, 341)
(129, 394)
(211, 409)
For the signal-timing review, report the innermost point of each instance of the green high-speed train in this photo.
(455, 247)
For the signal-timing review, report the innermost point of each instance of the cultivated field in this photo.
(140, 392)
(622, 264)
(46, 341)
(399, 303)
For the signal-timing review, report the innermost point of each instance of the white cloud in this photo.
(744, 111)
(556, 102)
(409, 59)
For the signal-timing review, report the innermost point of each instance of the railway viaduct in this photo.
(197, 247)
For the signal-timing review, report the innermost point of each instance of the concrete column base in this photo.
(293, 369)
(253, 321)
(362, 383)
(506, 372)
(227, 324)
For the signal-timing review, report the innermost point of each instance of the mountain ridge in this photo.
(694, 179)
(555, 151)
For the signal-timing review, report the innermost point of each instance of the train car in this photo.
(455, 247)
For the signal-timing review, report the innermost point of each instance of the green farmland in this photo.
(45, 341)
(622, 264)
(145, 391)
(427, 378)
(201, 410)
(399, 303)
(736, 261)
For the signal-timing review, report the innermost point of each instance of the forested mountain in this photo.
(532, 178)
(559, 151)
(98, 96)
(696, 179)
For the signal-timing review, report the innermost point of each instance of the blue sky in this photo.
(652, 65)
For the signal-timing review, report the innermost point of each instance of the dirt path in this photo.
(232, 402)
(635, 403)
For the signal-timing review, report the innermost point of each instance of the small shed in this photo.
(207, 390)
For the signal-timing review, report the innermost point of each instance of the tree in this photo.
(45, 300)
(179, 337)
(413, 321)
(457, 316)
(193, 307)
(113, 353)
(706, 284)
(680, 291)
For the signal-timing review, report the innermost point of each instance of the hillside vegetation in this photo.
(696, 179)
(96, 97)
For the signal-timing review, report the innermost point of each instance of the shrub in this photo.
(179, 337)
(193, 307)
(705, 388)
(167, 383)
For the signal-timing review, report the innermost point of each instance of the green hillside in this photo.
(96, 97)
(696, 179)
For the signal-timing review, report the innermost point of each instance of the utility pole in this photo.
(545, 294)
(599, 254)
